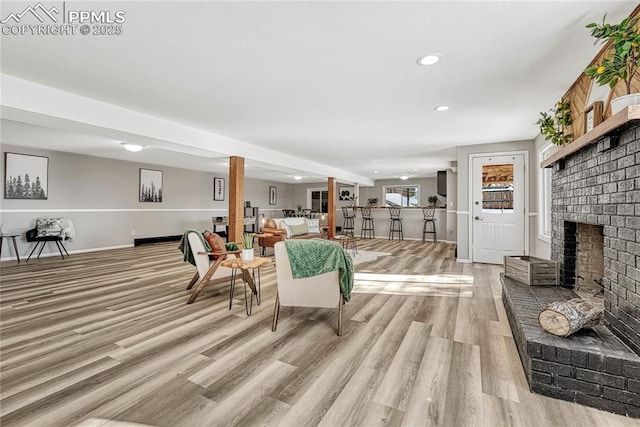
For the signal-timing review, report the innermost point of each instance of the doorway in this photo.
(497, 207)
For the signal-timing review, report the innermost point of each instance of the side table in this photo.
(15, 245)
(348, 243)
(249, 278)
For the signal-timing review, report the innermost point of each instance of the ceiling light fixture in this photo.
(134, 148)
(442, 108)
(429, 59)
(297, 177)
(404, 177)
(375, 171)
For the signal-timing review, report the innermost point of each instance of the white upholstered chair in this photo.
(322, 291)
(207, 268)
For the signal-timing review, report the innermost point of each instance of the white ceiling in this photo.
(334, 83)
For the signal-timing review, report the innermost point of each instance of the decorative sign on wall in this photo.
(218, 188)
(150, 185)
(273, 195)
(25, 176)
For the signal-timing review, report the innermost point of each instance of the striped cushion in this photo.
(297, 230)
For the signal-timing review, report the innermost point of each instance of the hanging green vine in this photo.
(553, 126)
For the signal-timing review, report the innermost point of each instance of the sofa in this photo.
(288, 228)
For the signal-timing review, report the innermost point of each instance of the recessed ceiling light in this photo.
(297, 177)
(442, 108)
(415, 169)
(404, 177)
(429, 59)
(132, 147)
(375, 171)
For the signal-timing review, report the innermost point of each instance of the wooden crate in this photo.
(531, 270)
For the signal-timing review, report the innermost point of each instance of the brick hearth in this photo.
(592, 367)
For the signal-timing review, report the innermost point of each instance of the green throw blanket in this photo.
(185, 248)
(318, 256)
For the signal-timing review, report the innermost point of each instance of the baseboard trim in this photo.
(23, 257)
(161, 239)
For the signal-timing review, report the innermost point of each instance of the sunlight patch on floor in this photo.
(446, 285)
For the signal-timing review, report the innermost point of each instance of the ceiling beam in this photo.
(41, 105)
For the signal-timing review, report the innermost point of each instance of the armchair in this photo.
(276, 235)
(207, 268)
(322, 291)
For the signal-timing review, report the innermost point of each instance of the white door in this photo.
(497, 214)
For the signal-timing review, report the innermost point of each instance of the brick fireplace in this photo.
(596, 241)
(599, 186)
(583, 258)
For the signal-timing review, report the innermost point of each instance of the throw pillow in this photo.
(216, 243)
(314, 226)
(297, 230)
(49, 227)
(285, 227)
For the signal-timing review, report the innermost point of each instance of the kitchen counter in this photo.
(412, 222)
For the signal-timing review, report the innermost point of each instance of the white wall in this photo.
(101, 197)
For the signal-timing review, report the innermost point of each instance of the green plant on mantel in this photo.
(623, 59)
(554, 125)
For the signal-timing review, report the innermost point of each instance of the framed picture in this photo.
(218, 188)
(346, 193)
(150, 186)
(593, 116)
(25, 176)
(273, 195)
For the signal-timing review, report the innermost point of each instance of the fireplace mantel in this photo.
(619, 119)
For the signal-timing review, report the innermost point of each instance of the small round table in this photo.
(15, 245)
(348, 243)
(249, 278)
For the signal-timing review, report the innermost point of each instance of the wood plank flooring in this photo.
(107, 339)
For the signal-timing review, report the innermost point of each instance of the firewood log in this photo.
(564, 318)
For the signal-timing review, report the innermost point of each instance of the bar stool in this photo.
(429, 226)
(348, 224)
(395, 227)
(367, 224)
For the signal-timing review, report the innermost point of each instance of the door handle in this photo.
(477, 218)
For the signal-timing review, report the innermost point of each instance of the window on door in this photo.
(497, 188)
(401, 196)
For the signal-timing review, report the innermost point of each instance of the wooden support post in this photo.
(331, 207)
(236, 199)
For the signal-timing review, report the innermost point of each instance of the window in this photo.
(320, 200)
(497, 188)
(401, 196)
(544, 196)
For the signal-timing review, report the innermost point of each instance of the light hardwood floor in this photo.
(108, 336)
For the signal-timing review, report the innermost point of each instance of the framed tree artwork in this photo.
(150, 186)
(25, 176)
(218, 189)
(273, 195)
